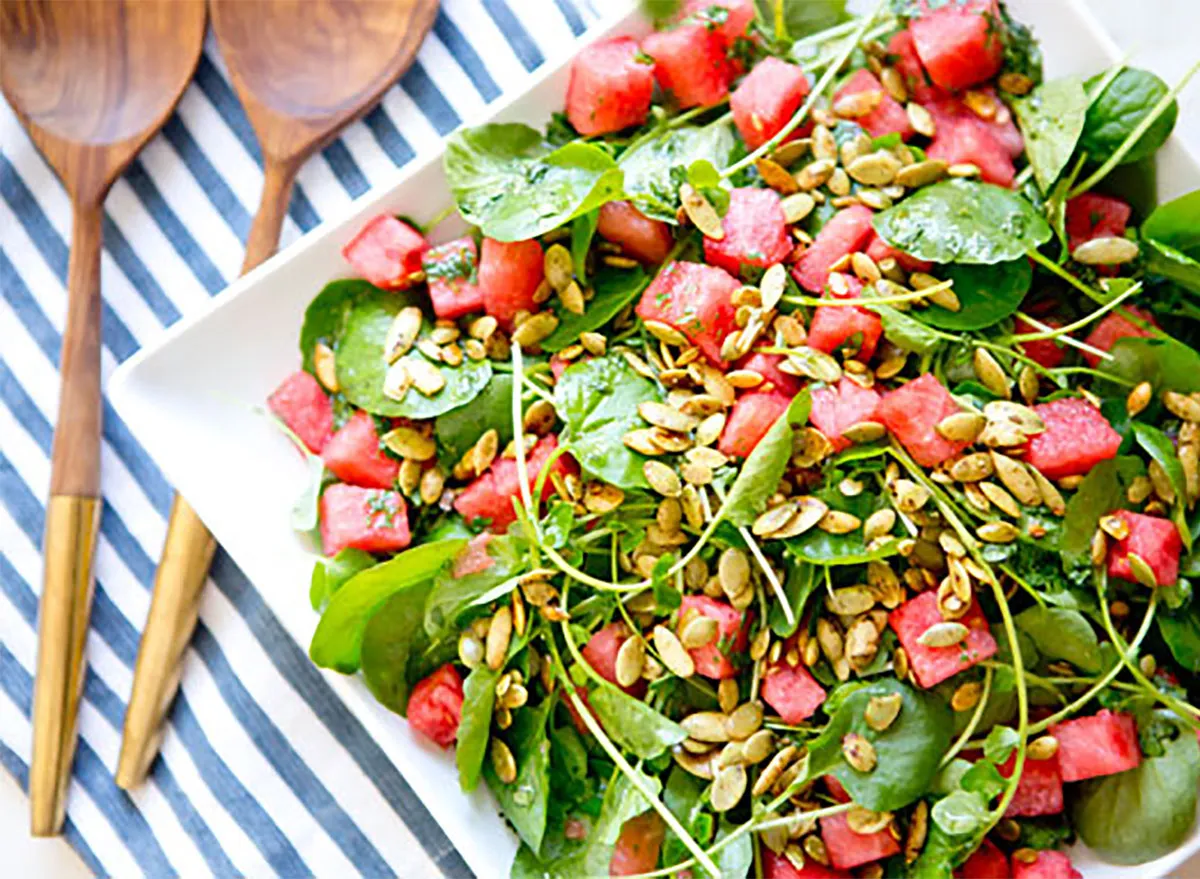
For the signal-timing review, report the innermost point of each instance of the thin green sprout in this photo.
(973, 723)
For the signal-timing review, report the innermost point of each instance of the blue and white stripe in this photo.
(262, 770)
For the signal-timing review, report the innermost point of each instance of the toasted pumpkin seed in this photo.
(797, 206)
(859, 752)
(470, 650)
(966, 696)
(1141, 570)
(402, 333)
(631, 659)
(918, 831)
(410, 444)
(1017, 479)
(854, 106)
(1042, 748)
(879, 524)
(882, 711)
(701, 212)
(733, 570)
(745, 720)
(677, 660)
(699, 632)
(662, 478)
(426, 377)
(864, 821)
(499, 634)
(849, 600)
(963, 169)
(1139, 398)
(815, 174)
(397, 380)
(874, 169)
(1182, 406)
(943, 634)
(503, 761)
(839, 522)
(433, 482)
(776, 176)
(972, 468)
(990, 374)
(961, 427)
(707, 726)
(699, 765)
(728, 788)
(325, 366)
(558, 267)
(864, 432)
(997, 532)
(1106, 251)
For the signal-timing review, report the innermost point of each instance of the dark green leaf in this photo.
(1119, 109)
(474, 725)
(1162, 450)
(393, 634)
(1174, 242)
(823, 548)
(942, 853)
(1062, 634)
(1165, 363)
(615, 288)
(1180, 629)
(1051, 119)
(330, 574)
(1100, 492)
(1167, 262)
(904, 331)
(452, 596)
(765, 465)
(802, 581)
(583, 229)
(648, 165)
(459, 429)
(988, 295)
(524, 802)
(684, 796)
(633, 724)
(326, 315)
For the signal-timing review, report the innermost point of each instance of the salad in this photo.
(793, 472)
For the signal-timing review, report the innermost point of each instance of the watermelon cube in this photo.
(1103, 744)
(637, 847)
(1001, 126)
(1155, 540)
(387, 252)
(960, 44)
(355, 456)
(611, 87)
(767, 99)
(961, 140)
(792, 692)
(836, 408)
(733, 23)
(1040, 790)
(302, 404)
(986, 862)
(601, 654)
(1077, 438)
(1113, 327)
(911, 414)
(1092, 215)
(778, 867)
(435, 705)
(749, 420)
(474, 558)
(1048, 864)
(854, 329)
(880, 250)
(510, 273)
(932, 665)
(755, 232)
(767, 365)
(887, 117)
(714, 660)
(640, 237)
(451, 273)
(847, 231)
(369, 519)
(690, 63)
(903, 51)
(491, 496)
(1046, 352)
(848, 849)
(694, 299)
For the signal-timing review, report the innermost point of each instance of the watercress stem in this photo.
(973, 723)
(1053, 333)
(1045, 331)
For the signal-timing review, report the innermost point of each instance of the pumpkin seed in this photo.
(875, 169)
(1106, 251)
(433, 483)
(572, 298)
(882, 711)
(900, 664)
(961, 427)
(918, 831)
(402, 333)
(810, 511)
(990, 374)
(325, 365)
(397, 380)
(503, 761)
(536, 328)
(859, 752)
(1142, 572)
(666, 417)
(558, 267)
(797, 206)
(814, 364)
(1114, 526)
(910, 496)
(1028, 384)
(733, 570)
(1161, 482)
(499, 634)
(849, 600)
(1016, 479)
(944, 297)
(662, 478)
(773, 770)
(758, 747)
(997, 532)
(814, 847)
(699, 765)
(776, 176)
(972, 468)
(677, 660)
(699, 632)
(728, 788)
(409, 478)
(701, 212)
(1139, 398)
(854, 106)
(745, 721)
(864, 432)
(1050, 495)
(774, 282)
(824, 145)
(943, 634)
(922, 173)
(1182, 406)
(707, 726)
(839, 522)
(879, 524)
(483, 453)
(829, 640)
(893, 81)
(862, 643)
(774, 519)
(787, 153)
(1025, 855)
(864, 821)
(470, 650)
(966, 696)
(839, 182)
(730, 755)
(410, 444)
(922, 121)
(1016, 83)
(963, 169)
(815, 174)
(1042, 748)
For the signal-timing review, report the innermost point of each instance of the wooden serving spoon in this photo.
(91, 83)
(324, 64)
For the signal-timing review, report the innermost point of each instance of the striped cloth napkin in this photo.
(263, 771)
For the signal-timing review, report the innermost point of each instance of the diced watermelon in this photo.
(767, 365)
(778, 867)
(932, 665)
(302, 404)
(1103, 744)
(386, 251)
(736, 19)
(1040, 790)
(369, 519)
(1092, 215)
(755, 232)
(960, 44)
(509, 275)
(475, 557)
(694, 299)
(636, 850)
(690, 63)
(847, 231)
(986, 862)
(766, 99)
(1046, 352)
(959, 140)
(911, 414)
(610, 87)
(733, 631)
(887, 117)
(749, 420)
(836, 789)
(1049, 864)
(354, 455)
(792, 692)
(902, 48)
(848, 849)
(852, 328)
(836, 408)
(491, 495)
(642, 238)
(1113, 327)
(601, 654)
(880, 250)
(1001, 127)
(451, 273)
(1077, 438)
(435, 705)
(1155, 540)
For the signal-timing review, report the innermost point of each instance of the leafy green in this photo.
(802, 581)
(648, 165)
(963, 812)
(337, 642)
(737, 858)
(326, 315)
(684, 796)
(765, 465)
(633, 724)
(1165, 363)
(799, 17)
(475, 724)
(1051, 119)
(1180, 629)
(512, 184)
(392, 635)
(942, 853)
(305, 508)
(904, 331)
(963, 221)
(988, 294)
(1100, 492)
(1059, 633)
(583, 229)
(615, 288)
(822, 548)
(1116, 112)
(1174, 242)
(330, 574)
(451, 596)
(458, 430)
(1162, 450)
(1022, 52)
(1000, 743)
(525, 801)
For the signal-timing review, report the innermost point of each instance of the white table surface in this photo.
(1158, 34)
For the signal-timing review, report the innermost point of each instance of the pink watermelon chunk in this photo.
(836, 408)
(847, 231)
(1077, 438)
(450, 270)
(369, 519)
(1046, 352)
(767, 365)
(610, 87)
(902, 48)
(690, 63)
(636, 850)
(1155, 540)
(386, 251)
(491, 495)
(435, 706)
(601, 654)
(887, 117)
(642, 238)
(694, 299)
(1092, 215)
(986, 862)
(749, 420)
(932, 665)
(302, 404)
(1114, 327)
(1001, 127)
(767, 99)
(733, 631)
(778, 867)
(911, 414)
(733, 24)
(509, 275)
(1040, 790)
(475, 558)
(960, 45)
(354, 455)
(848, 849)
(842, 327)
(755, 232)
(961, 140)
(880, 250)
(1103, 744)
(1048, 865)
(792, 692)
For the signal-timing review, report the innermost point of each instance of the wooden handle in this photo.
(263, 240)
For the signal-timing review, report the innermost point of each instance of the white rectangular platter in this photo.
(193, 397)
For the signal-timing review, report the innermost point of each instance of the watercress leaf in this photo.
(963, 221)
(802, 581)
(633, 724)
(1167, 262)
(942, 853)
(1180, 630)
(524, 802)
(1165, 363)
(1100, 492)
(459, 429)
(1059, 633)
(326, 315)
(1000, 743)
(474, 725)
(392, 635)
(962, 813)
(684, 796)
(1176, 223)
(583, 229)
(1051, 118)
(737, 858)
(1162, 450)
(1119, 109)
(904, 331)
(451, 596)
(615, 288)
(597, 400)
(648, 165)
(988, 294)
(330, 574)
(508, 181)
(304, 510)
(337, 642)
(984, 779)
(799, 18)
(765, 465)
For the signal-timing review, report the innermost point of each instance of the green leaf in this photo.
(988, 294)
(330, 574)
(392, 635)
(1162, 450)
(326, 316)
(648, 165)
(304, 510)
(802, 581)
(597, 400)
(508, 181)
(459, 429)
(800, 17)
(961, 813)
(583, 229)
(337, 642)
(1167, 262)
(904, 331)
(1143, 813)
(1174, 242)
(737, 858)
(1059, 633)
(1000, 743)
(1165, 363)
(633, 724)
(474, 725)
(615, 288)
(963, 221)
(1180, 630)
(525, 801)
(451, 596)
(942, 853)
(684, 796)
(1100, 492)
(361, 367)
(764, 467)
(1119, 109)
(822, 548)
(1051, 118)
